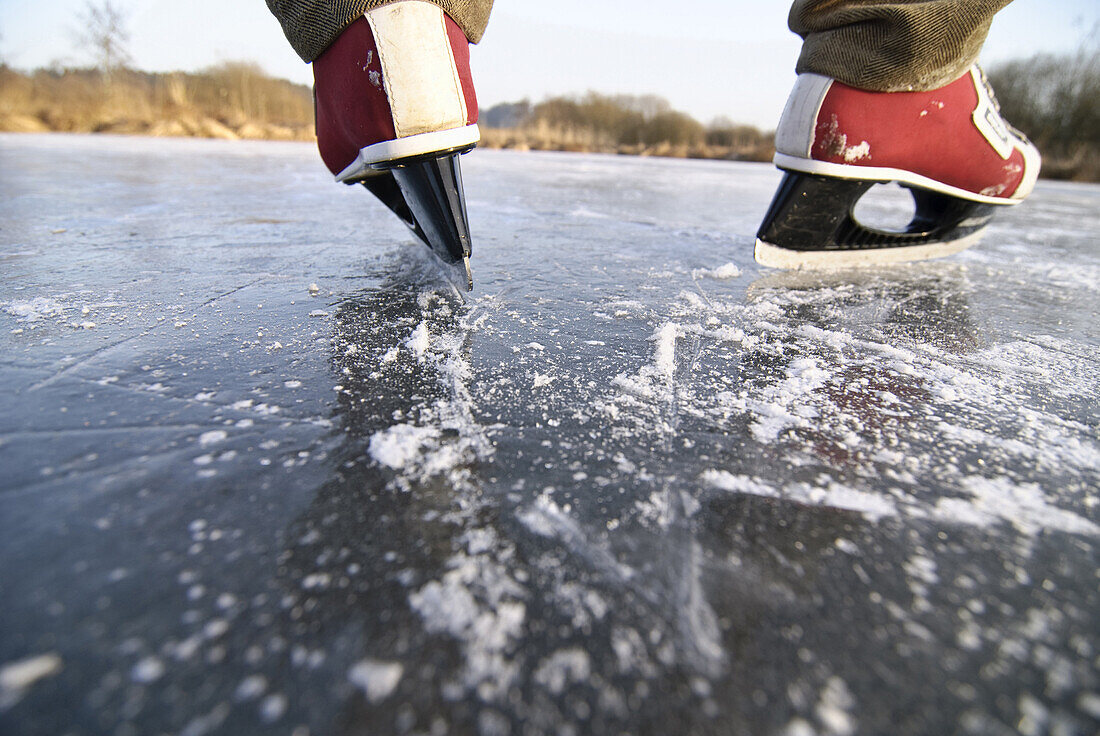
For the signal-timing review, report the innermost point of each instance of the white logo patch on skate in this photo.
(990, 124)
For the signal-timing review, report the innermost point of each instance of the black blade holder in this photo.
(817, 213)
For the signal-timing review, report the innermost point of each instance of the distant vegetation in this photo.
(1056, 101)
(645, 125)
(232, 100)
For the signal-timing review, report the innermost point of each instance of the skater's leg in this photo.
(891, 46)
(311, 25)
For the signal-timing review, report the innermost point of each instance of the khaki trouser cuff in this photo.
(311, 25)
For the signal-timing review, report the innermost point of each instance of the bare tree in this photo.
(102, 31)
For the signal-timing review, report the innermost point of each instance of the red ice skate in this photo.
(395, 108)
(949, 146)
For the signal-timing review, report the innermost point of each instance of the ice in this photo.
(727, 271)
(376, 679)
(147, 670)
(1024, 505)
(399, 445)
(563, 668)
(833, 709)
(18, 677)
(631, 483)
(419, 341)
(251, 687)
(273, 707)
(212, 437)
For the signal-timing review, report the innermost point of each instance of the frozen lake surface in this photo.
(264, 470)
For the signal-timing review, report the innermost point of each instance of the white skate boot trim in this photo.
(885, 174)
(1032, 163)
(795, 134)
(988, 120)
(773, 256)
(418, 67)
(416, 145)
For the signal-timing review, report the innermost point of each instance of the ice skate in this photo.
(949, 147)
(395, 109)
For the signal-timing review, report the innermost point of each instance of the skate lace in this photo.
(997, 104)
(988, 88)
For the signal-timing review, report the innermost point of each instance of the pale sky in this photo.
(707, 57)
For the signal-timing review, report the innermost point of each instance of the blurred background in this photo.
(706, 79)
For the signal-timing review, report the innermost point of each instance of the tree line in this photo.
(628, 124)
(231, 100)
(1055, 100)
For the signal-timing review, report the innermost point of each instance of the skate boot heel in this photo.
(812, 223)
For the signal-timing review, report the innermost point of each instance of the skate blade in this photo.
(427, 194)
(433, 191)
(811, 224)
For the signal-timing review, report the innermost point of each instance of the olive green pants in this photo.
(871, 44)
(891, 46)
(311, 25)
